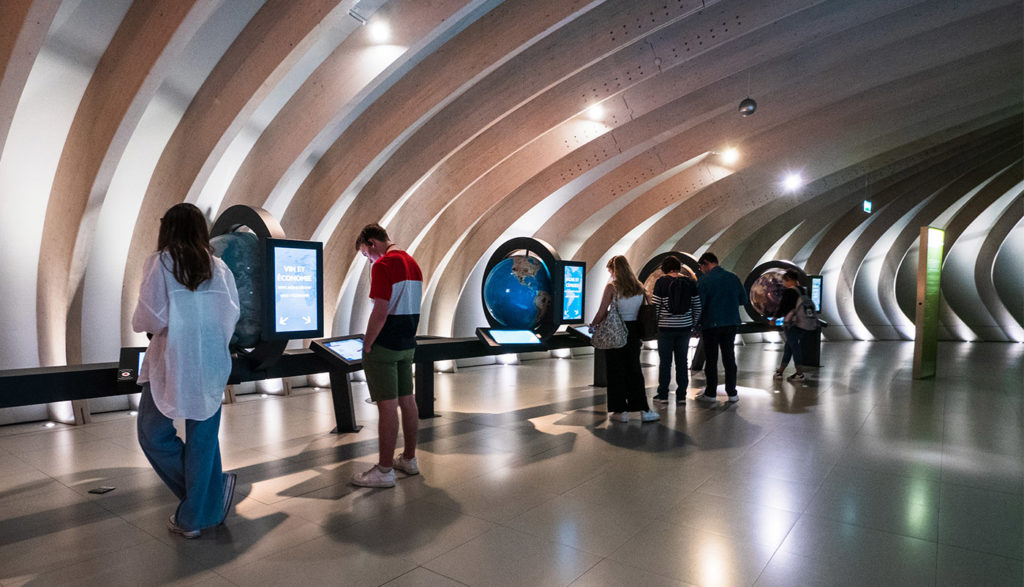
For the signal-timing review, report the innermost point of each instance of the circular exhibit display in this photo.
(517, 292)
(764, 287)
(651, 271)
(518, 289)
(240, 251)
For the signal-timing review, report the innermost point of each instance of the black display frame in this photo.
(270, 331)
(319, 346)
(548, 257)
(780, 264)
(559, 289)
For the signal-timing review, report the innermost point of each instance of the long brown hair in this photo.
(626, 283)
(183, 234)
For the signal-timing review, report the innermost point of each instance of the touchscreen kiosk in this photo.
(570, 282)
(582, 331)
(508, 337)
(342, 351)
(294, 299)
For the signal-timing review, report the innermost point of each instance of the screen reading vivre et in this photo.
(295, 289)
(572, 293)
(350, 349)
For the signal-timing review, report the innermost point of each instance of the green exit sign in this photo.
(867, 206)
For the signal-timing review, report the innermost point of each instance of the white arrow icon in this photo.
(284, 321)
(307, 319)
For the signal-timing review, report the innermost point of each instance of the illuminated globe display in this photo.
(240, 251)
(766, 292)
(517, 292)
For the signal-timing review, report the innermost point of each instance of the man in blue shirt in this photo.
(721, 295)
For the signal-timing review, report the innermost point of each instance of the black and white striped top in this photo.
(667, 321)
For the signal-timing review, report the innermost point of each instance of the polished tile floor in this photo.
(859, 476)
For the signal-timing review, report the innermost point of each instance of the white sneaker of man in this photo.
(649, 416)
(375, 476)
(407, 466)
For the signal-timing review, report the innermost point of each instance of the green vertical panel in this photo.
(926, 320)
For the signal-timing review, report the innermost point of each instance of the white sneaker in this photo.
(710, 399)
(619, 417)
(374, 477)
(407, 466)
(649, 416)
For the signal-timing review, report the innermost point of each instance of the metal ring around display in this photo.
(655, 263)
(264, 226)
(758, 272)
(547, 255)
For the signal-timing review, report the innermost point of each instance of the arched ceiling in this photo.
(596, 126)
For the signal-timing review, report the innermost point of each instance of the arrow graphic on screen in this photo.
(284, 321)
(307, 319)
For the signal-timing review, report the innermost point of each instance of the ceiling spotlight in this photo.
(595, 112)
(730, 156)
(747, 106)
(792, 182)
(379, 31)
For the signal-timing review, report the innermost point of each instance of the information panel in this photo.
(296, 290)
(570, 294)
(508, 337)
(344, 351)
(816, 291)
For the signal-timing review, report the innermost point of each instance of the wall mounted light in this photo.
(730, 155)
(595, 112)
(358, 17)
(792, 182)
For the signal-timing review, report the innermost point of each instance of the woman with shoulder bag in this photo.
(794, 334)
(626, 389)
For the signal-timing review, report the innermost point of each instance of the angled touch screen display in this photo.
(514, 337)
(350, 349)
(583, 331)
(296, 289)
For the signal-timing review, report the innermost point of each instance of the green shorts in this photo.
(388, 373)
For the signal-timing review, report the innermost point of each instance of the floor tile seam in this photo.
(812, 516)
(733, 538)
(420, 566)
(1019, 493)
(985, 451)
(1016, 559)
(754, 503)
(888, 473)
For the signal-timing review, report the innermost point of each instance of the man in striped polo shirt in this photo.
(672, 292)
(396, 289)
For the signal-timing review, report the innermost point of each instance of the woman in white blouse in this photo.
(626, 389)
(189, 305)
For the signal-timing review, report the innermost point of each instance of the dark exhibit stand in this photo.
(429, 350)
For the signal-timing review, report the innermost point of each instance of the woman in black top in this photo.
(794, 334)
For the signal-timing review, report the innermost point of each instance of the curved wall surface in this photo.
(602, 127)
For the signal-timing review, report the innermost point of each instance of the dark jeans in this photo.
(626, 388)
(716, 339)
(675, 343)
(794, 339)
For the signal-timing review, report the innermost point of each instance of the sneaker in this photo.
(172, 525)
(703, 397)
(229, 494)
(375, 477)
(619, 417)
(649, 416)
(796, 377)
(407, 466)
(733, 399)
(681, 401)
(778, 374)
(661, 400)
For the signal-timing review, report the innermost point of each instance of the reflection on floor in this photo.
(858, 476)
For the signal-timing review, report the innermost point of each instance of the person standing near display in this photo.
(678, 303)
(721, 295)
(396, 289)
(794, 334)
(625, 377)
(189, 304)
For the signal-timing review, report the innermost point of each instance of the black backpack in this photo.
(680, 292)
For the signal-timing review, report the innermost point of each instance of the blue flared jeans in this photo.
(191, 469)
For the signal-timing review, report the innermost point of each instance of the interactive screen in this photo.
(296, 289)
(570, 294)
(342, 351)
(350, 349)
(779, 321)
(503, 337)
(142, 357)
(583, 331)
(816, 291)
